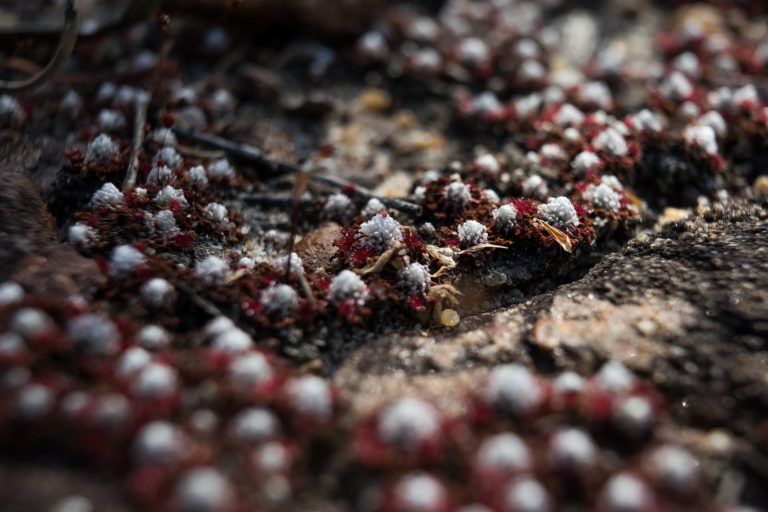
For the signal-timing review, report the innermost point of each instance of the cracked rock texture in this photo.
(685, 307)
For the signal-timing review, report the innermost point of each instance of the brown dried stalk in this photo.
(255, 157)
(67, 41)
(142, 103)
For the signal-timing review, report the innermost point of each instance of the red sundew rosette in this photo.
(682, 488)
(21, 357)
(208, 363)
(271, 387)
(483, 412)
(503, 501)
(373, 452)
(264, 466)
(307, 423)
(90, 433)
(394, 500)
(613, 498)
(23, 427)
(565, 397)
(148, 481)
(148, 408)
(489, 480)
(599, 405)
(479, 69)
(38, 345)
(152, 485)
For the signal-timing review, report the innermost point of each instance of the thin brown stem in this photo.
(140, 120)
(255, 157)
(67, 40)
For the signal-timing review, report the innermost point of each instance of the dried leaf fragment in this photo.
(560, 237)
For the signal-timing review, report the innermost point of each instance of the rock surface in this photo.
(685, 307)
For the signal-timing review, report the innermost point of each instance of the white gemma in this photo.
(250, 369)
(94, 332)
(212, 270)
(338, 206)
(254, 425)
(198, 175)
(505, 216)
(625, 493)
(488, 163)
(472, 233)
(381, 231)
(272, 457)
(157, 292)
(676, 87)
(101, 149)
(605, 197)
(572, 449)
(168, 156)
(415, 277)
(158, 441)
(311, 396)
(221, 169)
(232, 341)
(527, 495)
(702, 136)
(673, 468)
(408, 422)
(634, 415)
(30, 322)
(458, 193)
(513, 389)
(155, 380)
(614, 377)
(281, 299)
(419, 492)
(569, 115)
(107, 195)
(34, 401)
(160, 175)
(348, 286)
(169, 195)
(132, 360)
(125, 260)
(585, 161)
(559, 211)
(203, 489)
(568, 382)
(296, 267)
(153, 337)
(81, 235)
(504, 452)
(612, 142)
(216, 212)
(10, 292)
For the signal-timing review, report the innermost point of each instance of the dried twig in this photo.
(199, 153)
(244, 152)
(142, 103)
(273, 200)
(255, 157)
(306, 288)
(300, 186)
(67, 40)
(392, 202)
(136, 11)
(199, 301)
